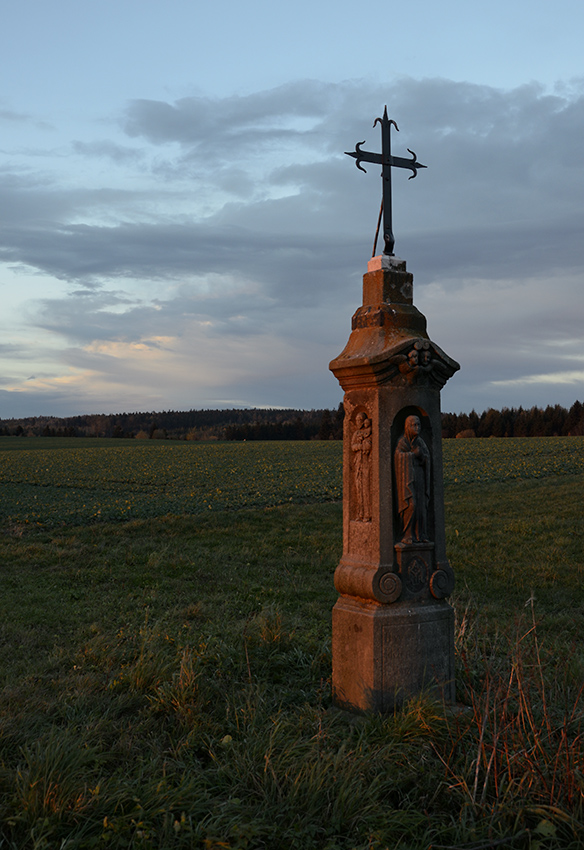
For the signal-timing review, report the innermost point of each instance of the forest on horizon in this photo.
(289, 424)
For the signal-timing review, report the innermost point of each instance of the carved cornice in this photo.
(408, 361)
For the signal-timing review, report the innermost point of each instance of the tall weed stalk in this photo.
(523, 735)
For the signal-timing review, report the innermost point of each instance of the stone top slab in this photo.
(385, 261)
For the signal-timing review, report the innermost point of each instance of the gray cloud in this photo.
(281, 223)
(10, 115)
(248, 121)
(501, 180)
(106, 149)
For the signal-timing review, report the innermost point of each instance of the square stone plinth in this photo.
(384, 655)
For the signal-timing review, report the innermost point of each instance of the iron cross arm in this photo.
(395, 161)
(387, 162)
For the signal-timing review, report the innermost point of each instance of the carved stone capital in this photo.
(410, 361)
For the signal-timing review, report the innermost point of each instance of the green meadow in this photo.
(165, 653)
(54, 481)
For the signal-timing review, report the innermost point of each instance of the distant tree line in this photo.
(551, 421)
(290, 424)
(314, 425)
(249, 424)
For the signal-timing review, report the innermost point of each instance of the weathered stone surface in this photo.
(384, 655)
(394, 557)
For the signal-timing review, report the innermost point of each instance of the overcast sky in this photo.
(181, 228)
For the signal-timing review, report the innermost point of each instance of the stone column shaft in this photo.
(392, 628)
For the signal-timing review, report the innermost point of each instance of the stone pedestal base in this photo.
(383, 655)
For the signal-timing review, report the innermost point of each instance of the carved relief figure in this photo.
(361, 446)
(422, 365)
(412, 474)
(419, 361)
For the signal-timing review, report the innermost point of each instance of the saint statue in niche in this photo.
(412, 475)
(361, 447)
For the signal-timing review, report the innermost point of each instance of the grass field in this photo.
(166, 679)
(55, 481)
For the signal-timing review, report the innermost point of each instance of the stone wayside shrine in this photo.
(393, 629)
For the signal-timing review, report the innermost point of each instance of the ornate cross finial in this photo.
(387, 161)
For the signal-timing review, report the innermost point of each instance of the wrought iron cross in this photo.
(387, 161)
